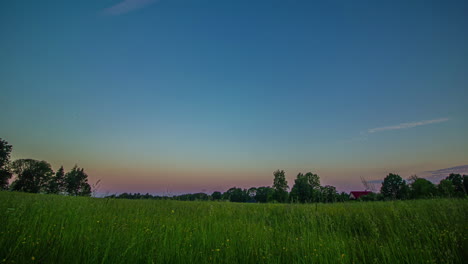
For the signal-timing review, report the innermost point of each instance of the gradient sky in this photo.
(176, 96)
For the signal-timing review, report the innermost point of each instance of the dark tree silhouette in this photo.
(5, 172)
(56, 184)
(280, 185)
(394, 187)
(301, 191)
(31, 175)
(236, 195)
(446, 188)
(306, 188)
(422, 188)
(457, 181)
(264, 194)
(328, 194)
(216, 196)
(76, 182)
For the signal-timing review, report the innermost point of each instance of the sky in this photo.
(175, 96)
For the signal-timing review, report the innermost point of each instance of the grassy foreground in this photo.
(57, 229)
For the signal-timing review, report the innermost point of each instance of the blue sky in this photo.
(198, 95)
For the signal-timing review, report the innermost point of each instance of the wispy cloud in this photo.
(127, 6)
(364, 135)
(407, 125)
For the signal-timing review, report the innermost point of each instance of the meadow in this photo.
(38, 228)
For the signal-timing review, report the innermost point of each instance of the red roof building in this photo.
(356, 195)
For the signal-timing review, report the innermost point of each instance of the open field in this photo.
(57, 229)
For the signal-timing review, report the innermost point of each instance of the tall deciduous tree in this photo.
(394, 187)
(313, 180)
(446, 188)
(301, 190)
(76, 182)
(457, 181)
(422, 188)
(31, 175)
(5, 172)
(56, 184)
(306, 188)
(281, 186)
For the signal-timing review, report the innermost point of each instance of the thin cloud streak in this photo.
(407, 125)
(127, 6)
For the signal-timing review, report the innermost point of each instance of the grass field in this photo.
(57, 229)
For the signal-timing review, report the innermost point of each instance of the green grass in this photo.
(57, 229)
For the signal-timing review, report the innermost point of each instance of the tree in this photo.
(236, 195)
(56, 184)
(313, 180)
(301, 191)
(31, 175)
(457, 181)
(280, 185)
(404, 191)
(306, 188)
(422, 188)
(264, 194)
(76, 182)
(5, 172)
(216, 196)
(446, 188)
(329, 194)
(394, 187)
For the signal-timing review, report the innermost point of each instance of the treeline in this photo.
(395, 187)
(307, 189)
(36, 176)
